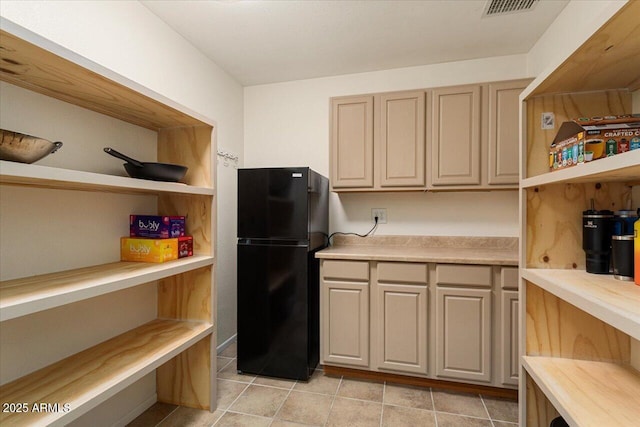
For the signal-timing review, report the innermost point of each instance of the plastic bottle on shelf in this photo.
(636, 243)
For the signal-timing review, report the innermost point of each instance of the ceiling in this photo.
(262, 41)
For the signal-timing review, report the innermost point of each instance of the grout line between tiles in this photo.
(167, 416)
(487, 410)
(384, 389)
(433, 405)
(275, 415)
(333, 400)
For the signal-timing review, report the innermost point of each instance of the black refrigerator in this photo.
(282, 223)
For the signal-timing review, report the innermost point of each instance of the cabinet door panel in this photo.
(401, 325)
(345, 323)
(455, 136)
(352, 142)
(503, 129)
(509, 338)
(463, 333)
(402, 139)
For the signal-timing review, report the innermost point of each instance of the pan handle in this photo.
(121, 156)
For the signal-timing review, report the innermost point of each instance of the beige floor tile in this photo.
(409, 396)
(231, 419)
(450, 420)
(459, 403)
(319, 383)
(501, 409)
(504, 424)
(354, 413)
(230, 372)
(274, 382)
(191, 417)
(260, 400)
(280, 423)
(360, 389)
(230, 351)
(222, 362)
(152, 416)
(228, 391)
(397, 416)
(306, 408)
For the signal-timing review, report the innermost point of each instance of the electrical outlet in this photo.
(381, 213)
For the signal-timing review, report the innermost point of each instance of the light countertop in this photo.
(456, 250)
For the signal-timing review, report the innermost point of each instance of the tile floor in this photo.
(245, 400)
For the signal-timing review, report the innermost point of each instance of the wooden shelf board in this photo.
(90, 377)
(20, 297)
(67, 179)
(613, 301)
(588, 393)
(624, 167)
(44, 67)
(607, 60)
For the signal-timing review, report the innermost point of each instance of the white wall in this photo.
(129, 40)
(287, 124)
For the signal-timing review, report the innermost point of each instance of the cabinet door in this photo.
(400, 314)
(455, 136)
(402, 139)
(463, 333)
(345, 323)
(352, 142)
(509, 359)
(503, 131)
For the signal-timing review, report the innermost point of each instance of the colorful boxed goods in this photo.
(154, 226)
(588, 139)
(148, 250)
(185, 246)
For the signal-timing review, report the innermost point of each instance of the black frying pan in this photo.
(149, 170)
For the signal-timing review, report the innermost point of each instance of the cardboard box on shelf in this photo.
(148, 250)
(156, 226)
(589, 139)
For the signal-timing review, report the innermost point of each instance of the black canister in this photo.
(596, 239)
(622, 257)
(623, 222)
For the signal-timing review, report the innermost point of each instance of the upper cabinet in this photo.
(451, 138)
(401, 159)
(455, 136)
(352, 142)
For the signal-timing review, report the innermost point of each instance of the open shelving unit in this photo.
(179, 345)
(579, 331)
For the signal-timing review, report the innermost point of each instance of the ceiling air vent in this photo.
(501, 7)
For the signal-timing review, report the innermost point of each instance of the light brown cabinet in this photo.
(399, 316)
(473, 142)
(378, 141)
(455, 136)
(450, 138)
(352, 142)
(344, 302)
(401, 141)
(454, 322)
(463, 322)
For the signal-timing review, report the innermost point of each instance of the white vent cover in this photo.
(500, 7)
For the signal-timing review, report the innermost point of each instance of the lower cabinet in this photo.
(399, 314)
(344, 311)
(463, 333)
(453, 322)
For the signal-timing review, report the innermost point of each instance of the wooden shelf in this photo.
(588, 393)
(624, 167)
(90, 377)
(613, 301)
(20, 297)
(67, 179)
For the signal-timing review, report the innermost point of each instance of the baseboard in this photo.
(137, 411)
(227, 343)
(421, 382)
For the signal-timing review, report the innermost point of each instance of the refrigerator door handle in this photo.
(287, 244)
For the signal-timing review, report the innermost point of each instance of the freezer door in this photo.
(277, 310)
(273, 203)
